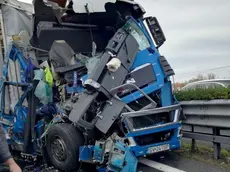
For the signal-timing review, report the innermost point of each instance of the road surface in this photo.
(174, 160)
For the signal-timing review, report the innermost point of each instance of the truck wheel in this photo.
(63, 144)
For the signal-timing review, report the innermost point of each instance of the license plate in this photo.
(158, 149)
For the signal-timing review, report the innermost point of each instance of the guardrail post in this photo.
(216, 146)
(193, 146)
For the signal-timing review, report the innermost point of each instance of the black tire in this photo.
(63, 144)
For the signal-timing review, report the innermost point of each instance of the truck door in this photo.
(147, 54)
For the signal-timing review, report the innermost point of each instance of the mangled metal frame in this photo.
(19, 15)
(150, 109)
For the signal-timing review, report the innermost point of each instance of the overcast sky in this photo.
(197, 33)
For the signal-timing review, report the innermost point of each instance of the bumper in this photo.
(173, 143)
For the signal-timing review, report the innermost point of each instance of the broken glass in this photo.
(132, 28)
(92, 62)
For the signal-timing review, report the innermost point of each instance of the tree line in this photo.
(199, 77)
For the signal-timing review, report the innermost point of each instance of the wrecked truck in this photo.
(90, 86)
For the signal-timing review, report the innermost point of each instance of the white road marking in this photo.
(158, 166)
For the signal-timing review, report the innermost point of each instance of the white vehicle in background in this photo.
(212, 83)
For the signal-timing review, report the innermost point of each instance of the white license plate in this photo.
(158, 149)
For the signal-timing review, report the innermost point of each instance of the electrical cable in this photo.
(90, 29)
(211, 69)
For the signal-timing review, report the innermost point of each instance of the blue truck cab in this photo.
(158, 135)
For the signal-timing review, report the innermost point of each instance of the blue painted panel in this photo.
(131, 165)
(144, 57)
(166, 94)
(174, 142)
(20, 119)
(86, 153)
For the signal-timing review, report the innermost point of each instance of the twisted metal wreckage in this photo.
(85, 83)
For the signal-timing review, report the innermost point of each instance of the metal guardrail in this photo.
(207, 121)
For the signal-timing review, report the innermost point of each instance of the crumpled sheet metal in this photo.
(17, 14)
(112, 155)
(14, 17)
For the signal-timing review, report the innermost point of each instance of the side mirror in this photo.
(156, 31)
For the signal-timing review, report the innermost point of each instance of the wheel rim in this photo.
(58, 149)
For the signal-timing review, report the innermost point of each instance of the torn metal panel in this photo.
(109, 115)
(17, 14)
(118, 46)
(109, 155)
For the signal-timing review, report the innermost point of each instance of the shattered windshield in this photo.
(132, 28)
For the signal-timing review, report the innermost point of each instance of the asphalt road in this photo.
(188, 165)
(174, 160)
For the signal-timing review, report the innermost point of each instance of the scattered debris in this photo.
(109, 155)
(75, 90)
